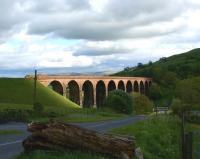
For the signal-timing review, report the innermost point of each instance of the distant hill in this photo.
(184, 65)
(19, 91)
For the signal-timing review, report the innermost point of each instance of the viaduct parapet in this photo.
(88, 91)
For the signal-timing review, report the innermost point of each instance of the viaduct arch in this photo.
(90, 91)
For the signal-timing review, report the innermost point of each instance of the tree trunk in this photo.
(62, 136)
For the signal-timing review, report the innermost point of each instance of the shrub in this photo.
(178, 107)
(194, 118)
(14, 115)
(154, 92)
(141, 103)
(38, 107)
(120, 101)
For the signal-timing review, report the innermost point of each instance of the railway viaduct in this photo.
(90, 91)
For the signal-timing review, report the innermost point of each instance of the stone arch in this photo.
(129, 87)
(111, 86)
(136, 86)
(88, 94)
(142, 91)
(100, 93)
(146, 87)
(56, 86)
(74, 92)
(121, 85)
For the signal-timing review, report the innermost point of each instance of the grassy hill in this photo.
(184, 65)
(167, 73)
(18, 93)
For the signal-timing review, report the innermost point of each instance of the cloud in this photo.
(11, 15)
(101, 48)
(116, 21)
(52, 6)
(95, 34)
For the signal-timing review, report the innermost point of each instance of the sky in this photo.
(60, 36)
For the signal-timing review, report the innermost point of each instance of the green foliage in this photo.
(188, 91)
(141, 104)
(193, 118)
(178, 107)
(183, 65)
(120, 101)
(158, 137)
(38, 107)
(167, 72)
(14, 115)
(154, 92)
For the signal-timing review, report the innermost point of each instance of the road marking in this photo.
(10, 143)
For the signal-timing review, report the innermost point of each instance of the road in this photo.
(11, 145)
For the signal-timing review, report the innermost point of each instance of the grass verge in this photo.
(10, 132)
(158, 137)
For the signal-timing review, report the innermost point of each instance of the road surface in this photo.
(11, 145)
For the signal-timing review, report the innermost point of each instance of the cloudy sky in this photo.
(57, 36)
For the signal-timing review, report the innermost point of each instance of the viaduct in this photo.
(90, 91)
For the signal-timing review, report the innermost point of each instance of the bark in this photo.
(62, 136)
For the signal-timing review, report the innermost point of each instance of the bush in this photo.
(14, 115)
(141, 103)
(120, 101)
(154, 92)
(194, 118)
(178, 107)
(38, 107)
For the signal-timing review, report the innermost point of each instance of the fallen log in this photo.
(62, 136)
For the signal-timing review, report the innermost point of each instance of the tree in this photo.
(140, 65)
(178, 107)
(141, 103)
(120, 101)
(154, 92)
(150, 63)
(188, 91)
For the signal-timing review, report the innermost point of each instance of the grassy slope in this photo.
(18, 92)
(184, 65)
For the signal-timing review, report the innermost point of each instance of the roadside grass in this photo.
(25, 113)
(10, 132)
(57, 155)
(91, 115)
(158, 137)
(195, 129)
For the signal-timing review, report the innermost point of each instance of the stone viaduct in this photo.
(89, 91)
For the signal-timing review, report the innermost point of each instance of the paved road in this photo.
(11, 145)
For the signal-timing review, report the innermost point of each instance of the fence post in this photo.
(34, 88)
(188, 145)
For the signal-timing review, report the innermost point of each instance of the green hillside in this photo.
(168, 73)
(18, 92)
(184, 65)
